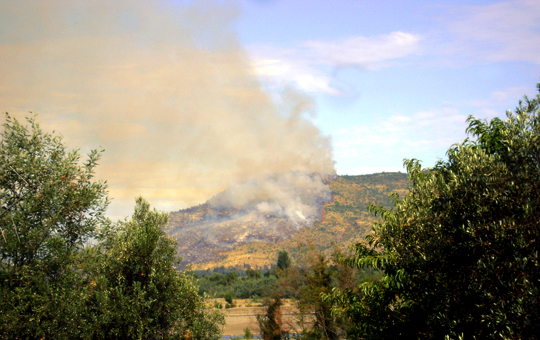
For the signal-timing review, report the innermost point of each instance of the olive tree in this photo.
(460, 251)
(50, 205)
(54, 283)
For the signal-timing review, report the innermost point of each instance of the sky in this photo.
(396, 79)
(190, 97)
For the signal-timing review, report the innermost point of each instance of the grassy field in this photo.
(244, 315)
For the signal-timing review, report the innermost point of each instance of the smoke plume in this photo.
(168, 92)
(291, 195)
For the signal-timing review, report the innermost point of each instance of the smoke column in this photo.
(165, 89)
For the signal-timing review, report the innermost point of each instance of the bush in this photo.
(247, 333)
(228, 297)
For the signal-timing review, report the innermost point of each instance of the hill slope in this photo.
(211, 237)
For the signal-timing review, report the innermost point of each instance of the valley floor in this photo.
(239, 318)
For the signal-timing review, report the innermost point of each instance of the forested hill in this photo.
(345, 220)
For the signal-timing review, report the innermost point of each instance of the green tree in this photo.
(313, 278)
(283, 261)
(247, 333)
(318, 281)
(232, 277)
(66, 272)
(139, 293)
(49, 207)
(460, 250)
(253, 274)
(271, 324)
(228, 298)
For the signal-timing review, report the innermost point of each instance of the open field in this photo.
(241, 317)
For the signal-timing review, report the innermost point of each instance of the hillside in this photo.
(254, 241)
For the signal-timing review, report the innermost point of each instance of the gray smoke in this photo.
(169, 93)
(296, 196)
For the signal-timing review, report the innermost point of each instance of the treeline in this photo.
(283, 279)
(254, 285)
(66, 272)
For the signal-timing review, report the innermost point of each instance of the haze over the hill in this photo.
(166, 90)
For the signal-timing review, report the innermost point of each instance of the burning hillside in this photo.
(266, 209)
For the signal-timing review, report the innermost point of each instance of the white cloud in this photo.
(366, 52)
(489, 112)
(434, 129)
(509, 94)
(506, 31)
(283, 72)
(308, 65)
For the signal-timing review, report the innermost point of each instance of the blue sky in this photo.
(190, 97)
(396, 79)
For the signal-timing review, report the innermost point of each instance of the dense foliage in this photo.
(238, 287)
(66, 272)
(49, 207)
(460, 251)
(138, 291)
(314, 277)
(319, 278)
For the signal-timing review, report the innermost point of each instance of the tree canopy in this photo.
(49, 202)
(137, 284)
(49, 206)
(460, 251)
(67, 272)
(283, 261)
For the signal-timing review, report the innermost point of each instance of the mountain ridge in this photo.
(210, 236)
